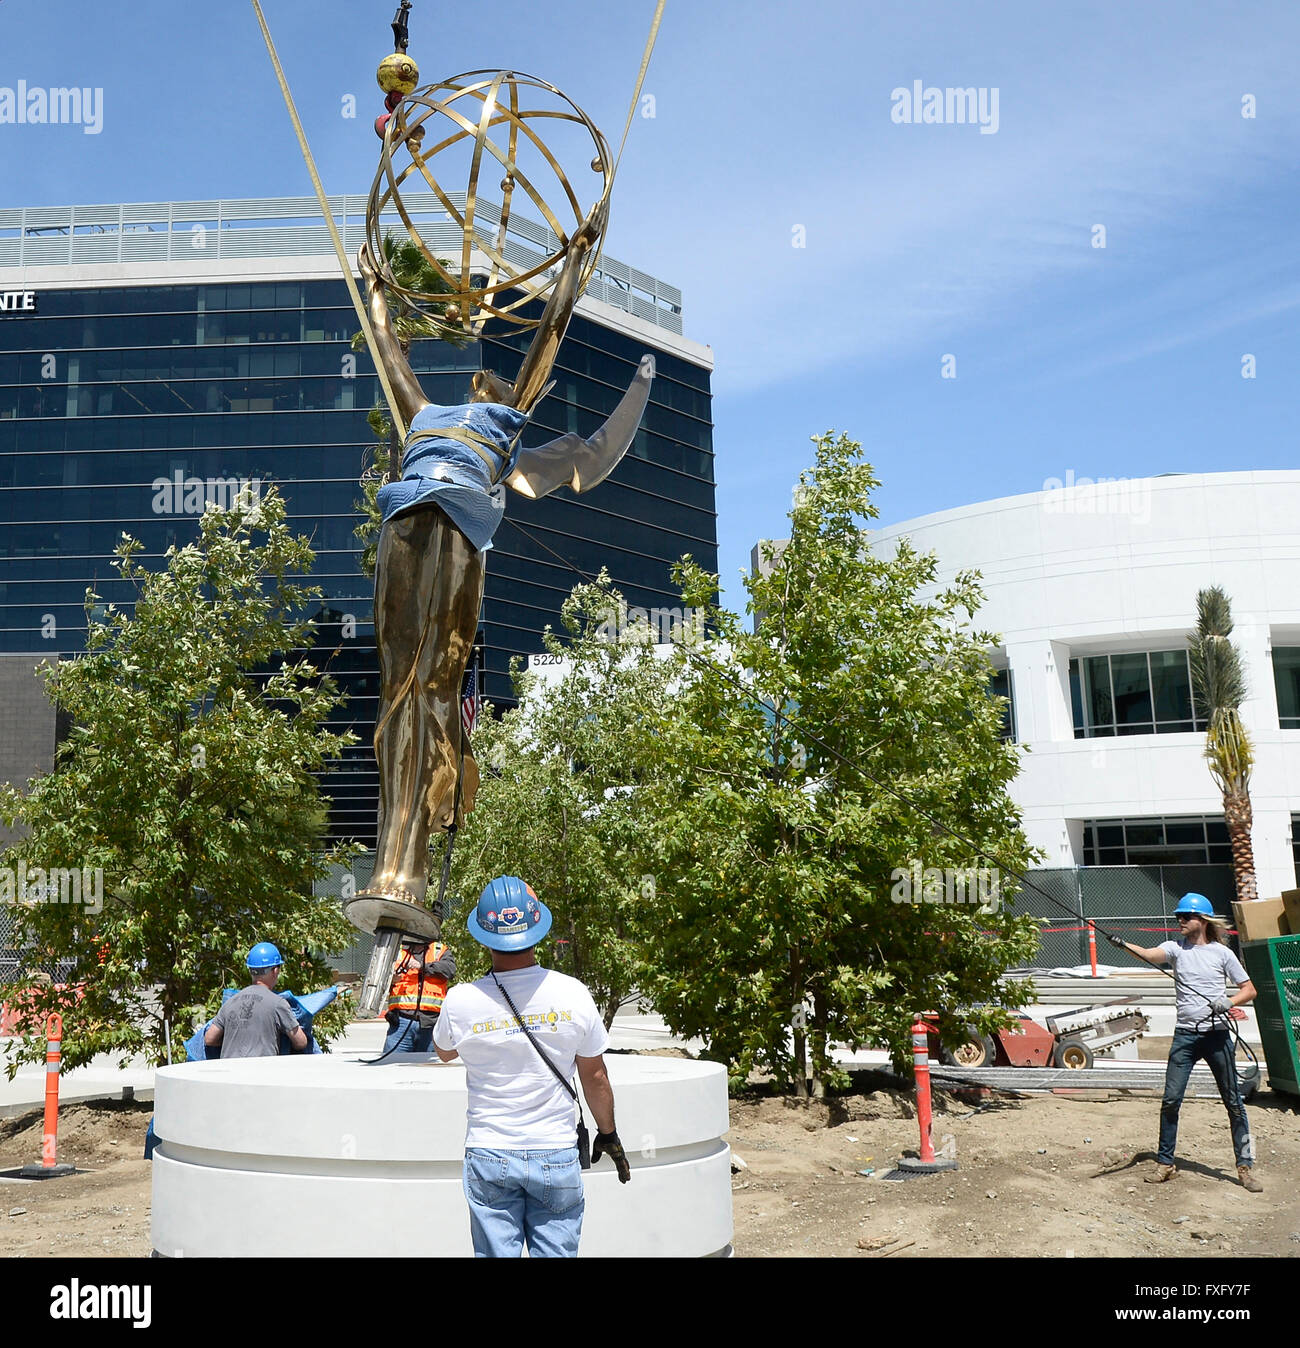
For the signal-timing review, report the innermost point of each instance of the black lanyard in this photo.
(584, 1146)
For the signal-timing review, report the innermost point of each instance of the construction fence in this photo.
(1136, 903)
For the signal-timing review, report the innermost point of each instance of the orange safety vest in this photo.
(411, 993)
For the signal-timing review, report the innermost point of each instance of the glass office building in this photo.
(168, 352)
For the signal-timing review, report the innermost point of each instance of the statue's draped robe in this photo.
(454, 458)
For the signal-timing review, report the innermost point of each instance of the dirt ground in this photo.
(1046, 1175)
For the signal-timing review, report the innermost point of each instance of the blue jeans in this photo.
(1217, 1050)
(410, 1036)
(524, 1196)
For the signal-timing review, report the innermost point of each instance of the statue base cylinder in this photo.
(367, 1160)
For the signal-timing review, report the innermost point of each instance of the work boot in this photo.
(1161, 1173)
(1246, 1174)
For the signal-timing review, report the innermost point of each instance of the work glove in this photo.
(1222, 1005)
(1116, 941)
(607, 1144)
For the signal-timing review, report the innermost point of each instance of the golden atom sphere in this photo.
(475, 143)
(397, 74)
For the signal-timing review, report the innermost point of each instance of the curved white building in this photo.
(1093, 588)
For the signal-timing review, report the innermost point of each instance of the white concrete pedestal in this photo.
(322, 1155)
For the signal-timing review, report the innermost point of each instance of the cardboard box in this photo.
(1291, 905)
(1260, 920)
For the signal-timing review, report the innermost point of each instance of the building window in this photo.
(1143, 693)
(1286, 678)
(1000, 686)
(1197, 840)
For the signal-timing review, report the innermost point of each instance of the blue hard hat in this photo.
(263, 956)
(509, 915)
(1195, 903)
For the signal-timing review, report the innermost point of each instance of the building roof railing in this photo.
(269, 227)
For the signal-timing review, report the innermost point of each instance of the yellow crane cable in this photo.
(640, 79)
(346, 266)
(631, 112)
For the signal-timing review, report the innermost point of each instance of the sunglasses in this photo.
(1188, 917)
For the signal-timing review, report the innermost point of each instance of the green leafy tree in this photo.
(187, 782)
(1219, 687)
(374, 474)
(559, 803)
(808, 771)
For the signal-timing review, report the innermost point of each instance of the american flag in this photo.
(469, 696)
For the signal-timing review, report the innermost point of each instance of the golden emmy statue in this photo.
(443, 505)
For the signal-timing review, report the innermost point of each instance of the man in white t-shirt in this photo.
(523, 1178)
(1201, 965)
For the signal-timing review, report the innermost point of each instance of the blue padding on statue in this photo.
(305, 1010)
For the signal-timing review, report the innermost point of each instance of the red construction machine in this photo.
(1072, 1039)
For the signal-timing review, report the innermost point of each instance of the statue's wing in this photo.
(574, 462)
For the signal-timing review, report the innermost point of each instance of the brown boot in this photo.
(1246, 1175)
(1161, 1173)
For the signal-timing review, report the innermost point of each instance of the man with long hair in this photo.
(1201, 964)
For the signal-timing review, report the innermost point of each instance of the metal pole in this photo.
(379, 973)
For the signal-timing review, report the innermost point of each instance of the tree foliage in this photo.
(374, 474)
(187, 781)
(558, 803)
(803, 768)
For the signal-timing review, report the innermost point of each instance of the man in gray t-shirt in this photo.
(250, 1023)
(1202, 964)
(1201, 973)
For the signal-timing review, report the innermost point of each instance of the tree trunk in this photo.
(1238, 815)
(820, 1048)
(798, 1025)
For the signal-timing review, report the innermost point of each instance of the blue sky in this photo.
(920, 240)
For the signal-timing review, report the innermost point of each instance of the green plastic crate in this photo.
(1274, 968)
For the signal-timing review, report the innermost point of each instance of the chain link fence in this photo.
(340, 884)
(10, 962)
(1136, 903)
(15, 962)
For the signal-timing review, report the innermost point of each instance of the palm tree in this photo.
(1219, 689)
(412, 270)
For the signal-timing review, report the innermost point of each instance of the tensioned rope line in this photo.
(636, 94)
(640, 79)
(895, 791)
(344, 265)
